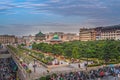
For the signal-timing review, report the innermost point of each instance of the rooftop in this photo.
(55, 38)
(40, 34)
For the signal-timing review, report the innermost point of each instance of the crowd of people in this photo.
(99, 74)
(6, 72)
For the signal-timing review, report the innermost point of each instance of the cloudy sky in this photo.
(23, 17)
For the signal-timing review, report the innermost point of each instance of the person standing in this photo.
(78, 65)
(114, 77)
(119, 75)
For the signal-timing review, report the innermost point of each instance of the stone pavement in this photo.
(42, 71)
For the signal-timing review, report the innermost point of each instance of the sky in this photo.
(24, 17)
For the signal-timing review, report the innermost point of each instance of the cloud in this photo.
(31, 5)
(54, 1)
(25, 29)
(6, 7)
(73, 8)
(16, 29)
(106, 10)
(95, 11)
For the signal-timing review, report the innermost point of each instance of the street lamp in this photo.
(87, 50)
(34, 66)
(87, 61)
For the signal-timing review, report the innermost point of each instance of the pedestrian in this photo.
(102, 74)
(114, 76)
(119, 75)
(79, 65)
(48, 70)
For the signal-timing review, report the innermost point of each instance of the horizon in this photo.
(25, 17)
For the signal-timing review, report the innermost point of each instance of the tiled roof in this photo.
(40, 34)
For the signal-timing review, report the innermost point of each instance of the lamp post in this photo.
(86, 65)
(34, 66)
(87, 61)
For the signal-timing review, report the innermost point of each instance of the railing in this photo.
(58, 72)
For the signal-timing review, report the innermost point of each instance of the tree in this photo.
(75, 52)
(107, 50)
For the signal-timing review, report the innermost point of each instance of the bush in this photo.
(43, 78)
(111, 63)
(93, 65)
(48, 77)
(28, 71)
(54, 75)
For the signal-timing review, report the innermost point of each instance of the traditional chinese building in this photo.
(40, 37)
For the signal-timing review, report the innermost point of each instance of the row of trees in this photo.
(37, 55)
(104, 50)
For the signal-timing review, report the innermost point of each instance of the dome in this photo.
(55, 39)
(55, 36)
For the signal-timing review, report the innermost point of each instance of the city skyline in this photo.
(24, 17)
